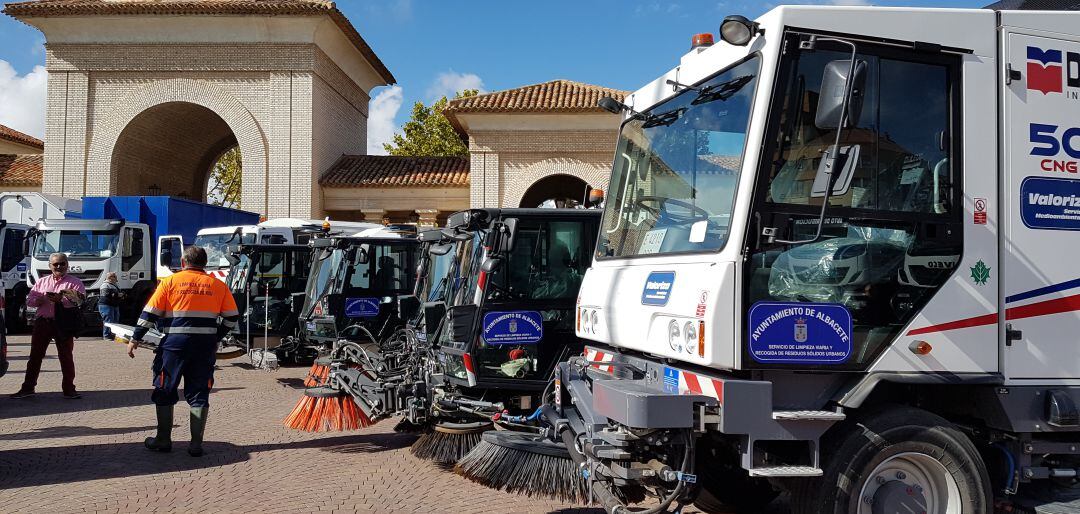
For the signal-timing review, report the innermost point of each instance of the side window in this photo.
(892, 230)
(12, 254)
(133, 249)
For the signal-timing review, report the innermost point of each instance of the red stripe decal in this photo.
(1045, 308)
(468, 363)
(718, 385)
(977, 321)
(692, 383)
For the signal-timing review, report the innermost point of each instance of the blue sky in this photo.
(436, 47)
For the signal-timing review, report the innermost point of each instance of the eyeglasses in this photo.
(58, 264)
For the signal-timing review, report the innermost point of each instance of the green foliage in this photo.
(428, 133)
(225, 180)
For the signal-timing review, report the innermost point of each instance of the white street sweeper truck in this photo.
(836, 259)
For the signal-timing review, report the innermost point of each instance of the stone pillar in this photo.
(373, 215)
(427, 218)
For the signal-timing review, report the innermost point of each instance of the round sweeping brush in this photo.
(449, 442)
(318, 373)
(526, 464)
(324, 409)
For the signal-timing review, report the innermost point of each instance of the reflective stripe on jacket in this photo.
(188, 302)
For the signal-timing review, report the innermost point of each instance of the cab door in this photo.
(1042, 199)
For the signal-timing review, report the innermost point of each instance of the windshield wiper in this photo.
(662, 120)
(722, 91)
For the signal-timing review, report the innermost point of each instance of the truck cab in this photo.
(353, 286)
(267, 281)
(94, 248)
(831, 263)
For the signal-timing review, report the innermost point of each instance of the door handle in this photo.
(1011, 334)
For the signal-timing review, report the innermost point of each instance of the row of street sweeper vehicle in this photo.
(834, 262)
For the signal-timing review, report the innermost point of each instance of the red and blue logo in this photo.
(1044, 70)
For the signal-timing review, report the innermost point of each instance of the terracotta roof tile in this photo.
(10, 134)
(20, 170)
(555, 96)
(394, 171)
(47, 8)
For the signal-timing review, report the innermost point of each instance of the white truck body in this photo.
(220, 241)
(27, 208)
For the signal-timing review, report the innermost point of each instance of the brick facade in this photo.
(505, 163)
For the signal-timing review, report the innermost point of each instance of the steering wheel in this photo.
(662, 201)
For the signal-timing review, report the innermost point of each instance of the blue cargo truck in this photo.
(140, 238)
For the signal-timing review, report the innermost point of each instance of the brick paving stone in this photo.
(61, 456)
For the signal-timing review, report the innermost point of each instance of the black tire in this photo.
(855, 449)
(15, 313)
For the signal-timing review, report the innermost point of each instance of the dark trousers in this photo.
(191, 358)
(44, 332)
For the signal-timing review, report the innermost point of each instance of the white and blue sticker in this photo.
(361, 307)
(20, 266)
(1050, 203)
(657, 289)
(671, 380)
(513, 327)
(799, 333)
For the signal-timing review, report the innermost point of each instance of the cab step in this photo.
(807, 415)
(786, 471)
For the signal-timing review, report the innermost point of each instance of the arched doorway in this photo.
(562, 191)
(169, 149)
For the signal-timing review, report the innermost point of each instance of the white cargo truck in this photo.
(774, 199)
(19, 211)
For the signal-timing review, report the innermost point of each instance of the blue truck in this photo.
(140, 238)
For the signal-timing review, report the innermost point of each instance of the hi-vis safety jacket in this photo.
(189, 303)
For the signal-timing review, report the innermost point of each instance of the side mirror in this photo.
(408, 306)
(491, 264)
(507, 233)
(26, 246)
(433, 316)
(233, 259)
(360, 256)
(460, 322)
(831, 100)
(843, 171)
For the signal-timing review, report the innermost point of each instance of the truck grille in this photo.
(87, 278)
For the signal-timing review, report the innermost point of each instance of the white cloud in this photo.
(449, 82)
(384, 107)
(22, 99)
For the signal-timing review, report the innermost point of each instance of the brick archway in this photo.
(519, 179)
(166, 94)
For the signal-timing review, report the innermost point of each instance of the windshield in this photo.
(322, 272)
(76, 243)
(677, 167)
(434, 285)
(219, 246)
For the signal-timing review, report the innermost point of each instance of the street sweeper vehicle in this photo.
(492, 340)
(267, 281)
(352, 287)
(837, 259)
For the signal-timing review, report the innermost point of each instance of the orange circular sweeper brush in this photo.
(318, 373)
(324, 409)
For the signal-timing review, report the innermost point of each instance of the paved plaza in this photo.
(59, 455)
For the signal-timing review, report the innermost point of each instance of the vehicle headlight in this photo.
(585, 320)
(674, 339)
(690, 334)
(594, 320)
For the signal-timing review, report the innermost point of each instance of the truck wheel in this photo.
(897, 459)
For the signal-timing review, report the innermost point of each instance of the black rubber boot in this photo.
(163, 441)
(198, 426)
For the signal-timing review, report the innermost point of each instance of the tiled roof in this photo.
(554, 96)
(394, 171)
(10, 134)
(20, 170)
(46, 8)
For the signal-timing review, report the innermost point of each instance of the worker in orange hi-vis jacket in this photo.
(194, 310)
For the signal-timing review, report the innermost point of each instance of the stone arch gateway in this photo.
(289, 83)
